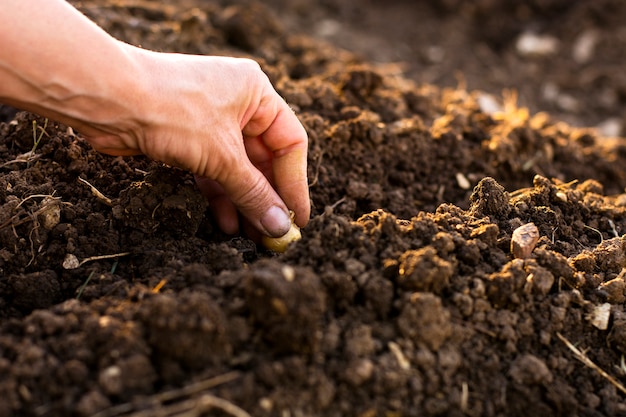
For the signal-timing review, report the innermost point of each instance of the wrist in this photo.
(104, 99)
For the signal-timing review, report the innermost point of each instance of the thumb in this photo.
(255, 198)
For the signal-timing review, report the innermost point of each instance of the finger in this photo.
(290, 179)
(223, 209)
(260, 155)
(253, 195)
(286, 138)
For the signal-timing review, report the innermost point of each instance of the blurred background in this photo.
(564, 57)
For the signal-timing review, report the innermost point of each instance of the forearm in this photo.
(56, 62)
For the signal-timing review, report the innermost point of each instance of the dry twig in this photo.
(188, 408)
(194, 407)
(318, 164)
(106, 200)
(597, 231)
(72, 262)
(30, 155)
(581, 356)
(18, 219)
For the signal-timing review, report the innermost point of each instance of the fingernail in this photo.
(276, 222)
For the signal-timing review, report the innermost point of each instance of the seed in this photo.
(279, 244)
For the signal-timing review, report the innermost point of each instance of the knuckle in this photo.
(251, 193)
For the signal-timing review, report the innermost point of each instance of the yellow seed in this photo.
(279, 244)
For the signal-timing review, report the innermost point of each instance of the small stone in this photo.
(600, 315)
(524, 240)
(110, 380)
(70, 261)
(533, 44)
(49, 214)
(462, 181)
(585, 46)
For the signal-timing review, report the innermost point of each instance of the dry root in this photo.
(581, 356)
(106, 200)
(189, 401)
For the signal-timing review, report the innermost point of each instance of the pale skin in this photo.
(218, 117)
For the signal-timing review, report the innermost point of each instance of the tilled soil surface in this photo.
(403, 297)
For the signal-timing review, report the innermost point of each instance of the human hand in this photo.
(221, 119)
(218, 117)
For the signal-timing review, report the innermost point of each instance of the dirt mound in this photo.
(120, 297)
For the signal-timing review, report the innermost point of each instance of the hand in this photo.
(220, 118)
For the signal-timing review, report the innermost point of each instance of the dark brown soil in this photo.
(403, 297)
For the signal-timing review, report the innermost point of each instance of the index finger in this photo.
(286, 138)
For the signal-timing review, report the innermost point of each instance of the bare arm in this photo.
(218, 117)
(56, 62)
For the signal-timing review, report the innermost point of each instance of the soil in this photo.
(434, 134)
